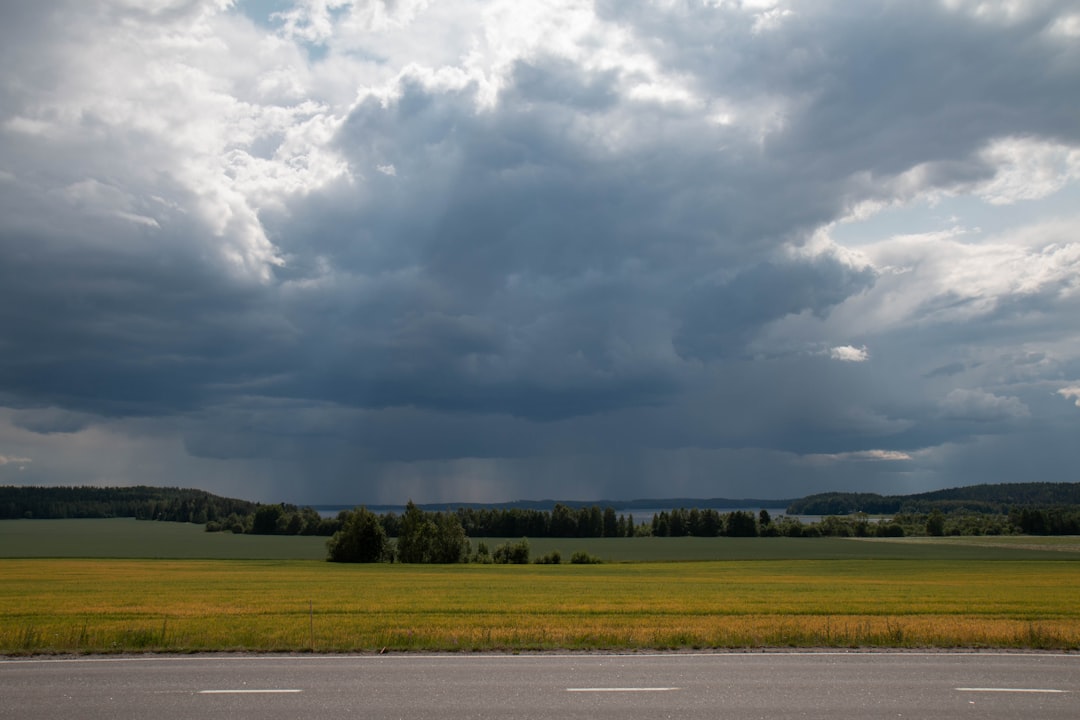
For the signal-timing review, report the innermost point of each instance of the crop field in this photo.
(107, 605)
(171, 587)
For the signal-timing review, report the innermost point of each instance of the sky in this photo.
(352, 251)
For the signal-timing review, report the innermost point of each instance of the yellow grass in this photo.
(185, 605)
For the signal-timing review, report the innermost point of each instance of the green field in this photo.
(175, 588)
(128, 538)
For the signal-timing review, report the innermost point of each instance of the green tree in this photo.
(415, 536)
(563, 522)
(431, 537)
(294, 523)
(591, 523)
(266, 520)
(661, 524)
(611, 523)
(833, 526)
(677, 525)
(711, 523)
(450, 544)
(740, 524)
(311, 521)
(361, 539)
(935, 523)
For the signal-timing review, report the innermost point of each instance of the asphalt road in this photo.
(736, 685)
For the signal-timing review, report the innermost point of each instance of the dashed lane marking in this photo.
(248, 692)
(622, 689)
(1010, 690)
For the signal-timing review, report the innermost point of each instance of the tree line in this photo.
(425, 537)
(977, 510)
(999, 498)
(441, 536)
(139, 501)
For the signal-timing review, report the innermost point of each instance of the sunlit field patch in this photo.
(64, 605)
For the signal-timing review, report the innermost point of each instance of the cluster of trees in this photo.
(511, 553)
(681, 522)
(140, 501)
(1046, 521)
(422, 537)
(279, 519)
(741, 523)
(589, 522)
(425, 537)
(561, 521)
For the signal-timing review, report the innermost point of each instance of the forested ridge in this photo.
(999, 498)
(139, 501)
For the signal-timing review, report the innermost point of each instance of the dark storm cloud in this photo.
(52, 420)
(560, 263)
(137, 328)
(721, 318)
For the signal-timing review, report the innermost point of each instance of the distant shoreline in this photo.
(650, 505)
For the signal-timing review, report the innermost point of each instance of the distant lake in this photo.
(641, 515)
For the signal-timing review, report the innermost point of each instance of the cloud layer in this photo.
(360, 251)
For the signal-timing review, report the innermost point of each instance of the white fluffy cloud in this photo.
(849, 353)
(1071, 393)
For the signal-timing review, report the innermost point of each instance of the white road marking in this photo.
(1011, 690)
(246, 692)
(481, 657)
(623, 689)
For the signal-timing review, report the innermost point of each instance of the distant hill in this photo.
(998, 498)
(140, 501)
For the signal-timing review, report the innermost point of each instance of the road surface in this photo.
(546, 686)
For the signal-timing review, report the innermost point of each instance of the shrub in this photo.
(482, 555)
(512, 553)
(583, 558)
(552, 558)
(891, 529)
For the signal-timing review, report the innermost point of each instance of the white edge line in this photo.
(480, 656)
(247, 692)
(1009, 690)
(623, 689)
